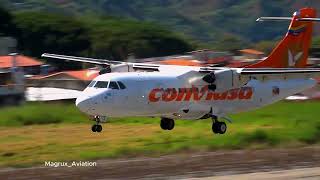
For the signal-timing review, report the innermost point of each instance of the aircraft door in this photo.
(142, 90)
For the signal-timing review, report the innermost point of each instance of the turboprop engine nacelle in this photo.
(221, 80)
(115, 68)
(226, 79)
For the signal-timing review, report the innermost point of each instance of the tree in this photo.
(7, 27)
(124, 37)
(107, 37)
(42, 32)
(231, 42)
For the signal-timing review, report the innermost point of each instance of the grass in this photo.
(41, 113)
(40, 132)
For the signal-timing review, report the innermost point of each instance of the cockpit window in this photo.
(121, 85)
(102, 84)
(107, 84)
(113, 85)
(92, 84)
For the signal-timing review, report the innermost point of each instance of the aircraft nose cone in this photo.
(83, 103)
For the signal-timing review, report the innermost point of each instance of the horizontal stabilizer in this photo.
(309, 19)
(274, 19)
(261, 19)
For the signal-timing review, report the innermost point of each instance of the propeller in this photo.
(209, 78)
(105, 70)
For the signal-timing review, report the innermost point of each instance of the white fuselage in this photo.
(167, 95)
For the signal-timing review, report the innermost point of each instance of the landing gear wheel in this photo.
(214, 128)
(94, 128)
(219, 127)
(171, 125)
(99, 128)
(163, 125)
(222, 127)
(167, 124)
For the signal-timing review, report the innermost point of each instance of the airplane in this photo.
(126, 89)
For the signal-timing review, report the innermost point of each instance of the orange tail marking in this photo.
(293, 50)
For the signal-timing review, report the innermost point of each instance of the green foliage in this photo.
(39, 113)
(281, 125)
(43, 32)
(229, 42)
(7, 27)
(312, 137)
(102, 37)
(258, 137)
(213, 23)
(123, 37)
(284, 124)
(204, 20)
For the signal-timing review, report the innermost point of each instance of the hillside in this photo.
(205, 20)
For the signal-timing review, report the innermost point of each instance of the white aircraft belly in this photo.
(264, 94)
(138, 101)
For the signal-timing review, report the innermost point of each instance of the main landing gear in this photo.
(97, 127)
(217, 126)
(167, 124)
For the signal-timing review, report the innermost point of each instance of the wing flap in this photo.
(279, 73)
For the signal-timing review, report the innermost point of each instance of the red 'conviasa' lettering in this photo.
(196, 94)
(245, 93)
(169, 94)
(153, 95)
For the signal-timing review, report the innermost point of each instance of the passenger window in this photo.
(121, 85)
(102, 84)
(113, 85)
(92, 84)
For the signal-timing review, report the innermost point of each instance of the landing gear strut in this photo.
(217, 126)
(96, 127)
(167, 124)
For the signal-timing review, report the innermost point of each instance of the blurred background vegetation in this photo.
(114, 29)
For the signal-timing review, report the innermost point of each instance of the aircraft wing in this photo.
(109, 66)
(228, 78)
(50, 94)
(81, 59)
(251, 73)
(278, 73)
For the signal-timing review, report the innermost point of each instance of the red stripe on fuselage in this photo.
(196, 94)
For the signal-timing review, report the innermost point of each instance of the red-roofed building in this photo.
(29, 65)
(181, 62)
(252, 54)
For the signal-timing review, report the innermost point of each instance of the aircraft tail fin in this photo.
(293, 50)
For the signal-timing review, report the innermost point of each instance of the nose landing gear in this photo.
(97, 127)
(217, 126)
(167, 124)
